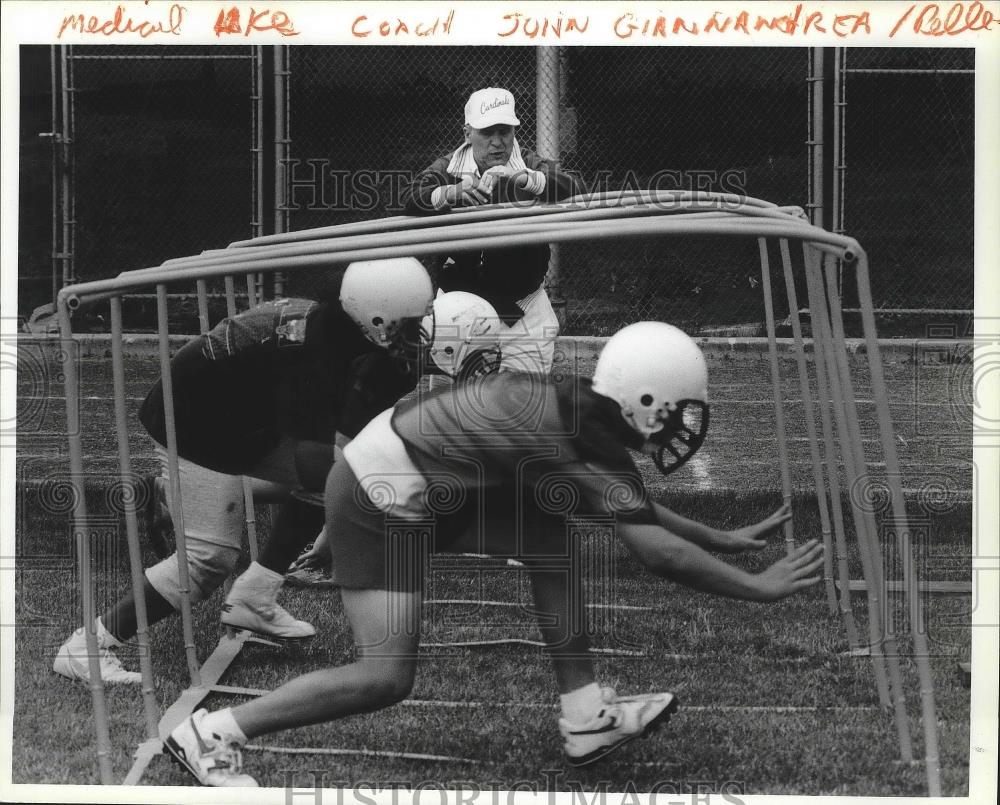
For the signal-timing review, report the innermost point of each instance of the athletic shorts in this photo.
(373, 551)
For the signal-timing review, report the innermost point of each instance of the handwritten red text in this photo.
(229, 22)
(533, 28)
(120, 24)
(958, 20)
(630, 25)
(362, 27)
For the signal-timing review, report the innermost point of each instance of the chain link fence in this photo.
(908, 174)
(162, 154)
(158, 152)
(727, 120)
(661, 118)
(162, 139)
(36, 280)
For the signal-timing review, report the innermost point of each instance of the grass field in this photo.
(770, 702)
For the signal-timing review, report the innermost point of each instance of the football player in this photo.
(465, 334)
(266, 394)
(503, 433)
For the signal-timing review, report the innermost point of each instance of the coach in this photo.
(490, 168)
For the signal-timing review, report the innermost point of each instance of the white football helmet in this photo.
(658, 375)
(387, 298)
(465, 334)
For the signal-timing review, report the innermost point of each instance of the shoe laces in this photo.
(110, 660)
(228, 756)
(111, 666)
(276, 612)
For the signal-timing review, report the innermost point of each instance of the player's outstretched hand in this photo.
(754, 537)
(312, 558)
(792, 573)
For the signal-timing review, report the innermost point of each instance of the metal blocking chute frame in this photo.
(835, 443)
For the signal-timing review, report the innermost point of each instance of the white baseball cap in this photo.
(490, 107)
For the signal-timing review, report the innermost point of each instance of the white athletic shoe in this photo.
(213, 759)
(252, 604)
(71, 662)
(265, 618)
(622, 719)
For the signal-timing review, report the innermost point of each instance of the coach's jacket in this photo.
(501, 276)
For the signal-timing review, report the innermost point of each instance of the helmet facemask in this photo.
(478, 362)
(682, 433)
(407, 342)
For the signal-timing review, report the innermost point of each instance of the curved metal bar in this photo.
(810, 423)
(96, 683)
(836, 503)
(495, 211)
(177, 505)
(506, 213)
(917, 625)
(823, 339)
(695, 211)
(779, 411)
(871, 534)
(151, 708)
(249, 509)
(99, 290)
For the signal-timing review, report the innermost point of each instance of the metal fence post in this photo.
(257, 142)
(815, 140)
(68, 189)
(282, 65)
(547, 142)
(56, 178)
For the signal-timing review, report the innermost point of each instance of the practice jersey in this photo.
(559, 447)
(290, 367)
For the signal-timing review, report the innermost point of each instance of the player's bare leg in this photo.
(213, 523)
(386, 633)
(595, 720)
(252, 602)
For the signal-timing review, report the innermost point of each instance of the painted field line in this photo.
(613, 652)
(457, 601)
(858, 400)
(764, 708)
(708, 708)
(521, 641)
(942, 586)
(305, 750)
(610, 652)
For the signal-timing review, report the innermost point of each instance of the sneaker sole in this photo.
(179, 756)
(68, 673)
(658, 721)
(268, 636)
(226, 609)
